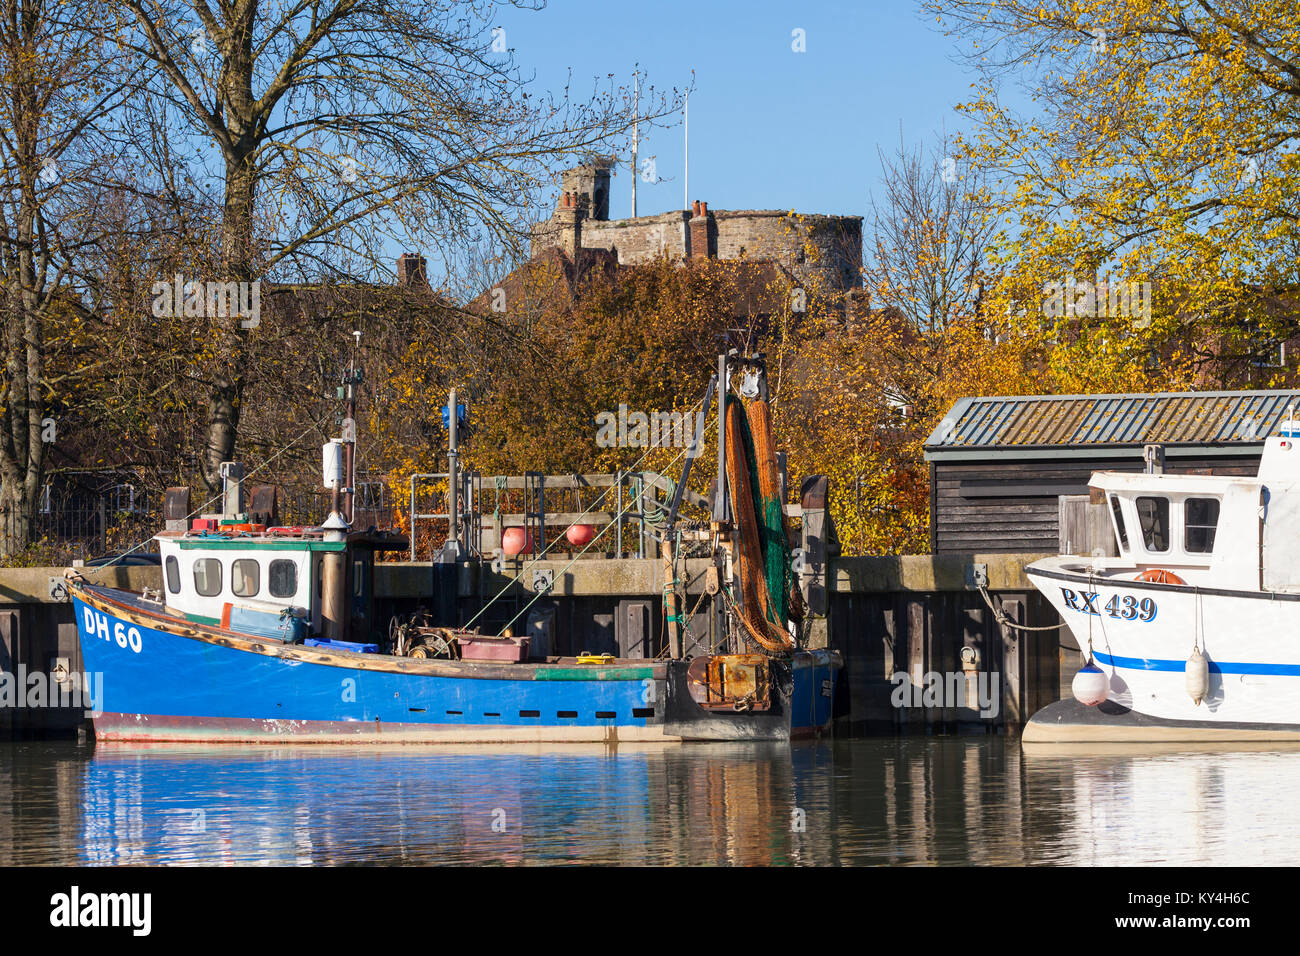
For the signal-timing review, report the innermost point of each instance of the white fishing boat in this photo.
(1193, 630)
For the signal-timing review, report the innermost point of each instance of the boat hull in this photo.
(1070, 722)
(165, 679)
(1142, 634)
(115, 727)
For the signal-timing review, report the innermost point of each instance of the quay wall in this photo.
(886, 615)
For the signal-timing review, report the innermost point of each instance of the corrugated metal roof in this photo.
(1088, 420)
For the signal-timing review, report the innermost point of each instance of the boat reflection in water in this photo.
(1177, 804)
(500, 805)
(944, 801)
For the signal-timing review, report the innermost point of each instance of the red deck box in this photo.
(511, 649)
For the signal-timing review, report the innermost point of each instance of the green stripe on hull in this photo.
(593, 673)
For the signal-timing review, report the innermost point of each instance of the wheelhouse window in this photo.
(1200, 519)
(1153, 518)
(282, 578)
(207, 577)
(245, 577)
(173, 574)
(1119, 523)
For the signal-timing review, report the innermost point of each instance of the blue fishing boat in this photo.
(268, 634)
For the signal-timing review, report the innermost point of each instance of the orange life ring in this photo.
(1159, 576)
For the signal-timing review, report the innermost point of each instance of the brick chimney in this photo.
(412, 271)
(568, 225)
(701, 235)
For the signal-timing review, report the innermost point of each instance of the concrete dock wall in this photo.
(913, 615)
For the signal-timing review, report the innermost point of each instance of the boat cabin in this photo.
(1214, 531)
(272, 582)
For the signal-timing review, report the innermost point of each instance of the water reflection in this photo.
(1126, 806)
(863, 802)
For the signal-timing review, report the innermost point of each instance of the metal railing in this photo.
(81, 528)
(87, 525)
(634, 502)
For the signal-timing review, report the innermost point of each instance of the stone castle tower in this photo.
(823, 251)
(590, 183)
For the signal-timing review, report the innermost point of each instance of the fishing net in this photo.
(762, 558)
(765, 486)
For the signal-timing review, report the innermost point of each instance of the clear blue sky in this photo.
(769, 128)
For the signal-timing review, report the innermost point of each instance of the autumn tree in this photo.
(868, 381)
(334, 126)
(61, 75)
(928, 228)
(646, 337)
(1159, 149)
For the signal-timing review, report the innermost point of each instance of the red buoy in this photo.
(580, 535)
(516, 541)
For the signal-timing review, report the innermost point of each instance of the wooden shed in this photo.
(999, 465)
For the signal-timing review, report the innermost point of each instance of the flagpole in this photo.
(636, 123)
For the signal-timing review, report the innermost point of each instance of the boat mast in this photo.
(453, 479)
(335, 616)
(351, 378)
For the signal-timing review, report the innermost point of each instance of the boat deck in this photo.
(554, 667)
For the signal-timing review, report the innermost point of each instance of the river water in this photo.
(907, 801)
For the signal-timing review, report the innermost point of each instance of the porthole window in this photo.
(245, 577)
(173, 575)
(1200, 520)
(1153, 517)
(282, 578)
(207, 577)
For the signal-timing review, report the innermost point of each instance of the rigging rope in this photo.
(622, 511)
(571, 561)
(216, 497)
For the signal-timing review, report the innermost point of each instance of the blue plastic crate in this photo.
(342, 646)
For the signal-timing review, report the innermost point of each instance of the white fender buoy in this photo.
(1090, 685)
(1198, 676)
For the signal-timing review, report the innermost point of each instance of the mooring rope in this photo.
(1000, 616)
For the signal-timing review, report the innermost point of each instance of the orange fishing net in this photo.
(757, 613)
